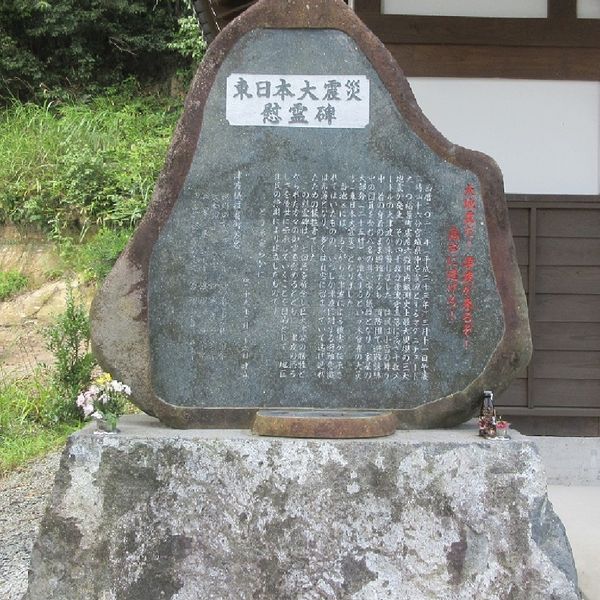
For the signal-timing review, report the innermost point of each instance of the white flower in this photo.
(118, 387)
(114, 385)
(97, 415)
(88, 409)
(81, 400)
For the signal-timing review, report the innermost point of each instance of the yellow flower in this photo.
(103, 379)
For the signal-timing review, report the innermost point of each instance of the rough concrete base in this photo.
(154, 513)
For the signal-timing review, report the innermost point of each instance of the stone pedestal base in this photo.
(154, 513)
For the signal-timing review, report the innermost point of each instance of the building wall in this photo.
(545, 135)
(468, 8)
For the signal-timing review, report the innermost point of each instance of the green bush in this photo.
(79, 165)
(188, 41)
(69, 341)
(47, 46)
(96, 257)
(11, 282)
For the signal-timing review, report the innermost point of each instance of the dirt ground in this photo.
(24, 317)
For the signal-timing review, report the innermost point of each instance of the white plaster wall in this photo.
(545, 135)
(469, 8)
(588, 9)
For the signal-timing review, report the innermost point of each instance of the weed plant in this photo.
(28, 426)
(11, 283)
(69, 341)
(73, 166)
(94, 257)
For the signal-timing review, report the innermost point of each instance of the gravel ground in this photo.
(23, 496)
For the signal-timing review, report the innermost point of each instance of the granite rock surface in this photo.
(151, 513)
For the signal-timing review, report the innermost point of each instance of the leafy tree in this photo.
(50, 45)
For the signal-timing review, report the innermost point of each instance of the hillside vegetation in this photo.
(86, 117)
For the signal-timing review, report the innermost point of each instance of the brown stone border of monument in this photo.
(324, 424)
(119, 312)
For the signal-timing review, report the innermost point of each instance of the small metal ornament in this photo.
(491, 426)
(487, 416)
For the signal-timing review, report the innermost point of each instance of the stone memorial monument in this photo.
(314, 243)
(317, 253)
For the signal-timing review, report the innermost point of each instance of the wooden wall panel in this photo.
(566, 365)
(568, 280)
(516, 394)
(522, 374)
(429, 60)
(567, 336)
(522, 248)
(569, 308)
(553, 201)
(482, 31)
(555, 424)
(562, 392)
(562, 9)
(563, 264)
(519, 222)
(569, 223)
(568, 251)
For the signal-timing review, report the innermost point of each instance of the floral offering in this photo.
(104, 401)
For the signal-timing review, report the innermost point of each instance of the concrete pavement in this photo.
(573, 470)
(579, 509)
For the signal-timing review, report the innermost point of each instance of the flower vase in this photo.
(502, 432)
(104, 425)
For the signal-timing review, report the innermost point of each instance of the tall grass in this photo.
(72, 166)
(11, 283)
(28, 427)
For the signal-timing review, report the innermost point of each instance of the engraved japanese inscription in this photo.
(320, 253)
(298, 100)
